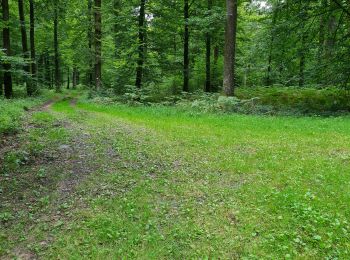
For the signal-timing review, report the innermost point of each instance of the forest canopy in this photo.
(174, 45)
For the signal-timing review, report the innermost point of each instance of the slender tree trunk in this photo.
(48, 70)
(32, 46)
(323, 25)
(321, 41)
(68, 78)
(230, 47)
(1, 84)
(215, 68)
(24, 46)
(141, 43)
(208, 87)
(75, 77)
(302, 61)
(90, 43)
(272, 41)
(116, 7)
(7, 47)
(57, 57)
(332, 28)
(98, 44)
(302, 51)
(186, 72)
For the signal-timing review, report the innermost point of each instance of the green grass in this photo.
(209, 186)
(179, 185)
(12, 111)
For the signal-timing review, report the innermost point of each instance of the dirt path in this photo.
(43, 177)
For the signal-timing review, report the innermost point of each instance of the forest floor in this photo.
(83, 180)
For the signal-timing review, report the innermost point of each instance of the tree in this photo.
(230, 47)
(90, 43)
(7, 46)
(186, 70)
(208, 86)
(57, 55)
(98, 44)
(141, 45)
(24, 46)
(32, 44)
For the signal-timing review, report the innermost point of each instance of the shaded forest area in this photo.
(168, 47)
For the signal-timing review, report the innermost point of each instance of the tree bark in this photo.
(90, 43)
(68, 78)
(116, 7)
(75, 77)
(215, 76)
(7, 46)
(141, 43)
(1, 84)
(272, 41)
(98, 44)
(302, 51)
(186, 76)
(32, 45)
(302, 61)
(230, 47)
(57, 57)
(208, 87)
(24, 46)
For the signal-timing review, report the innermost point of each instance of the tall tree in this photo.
(141, 45)
(1, 84)
(57, 55)
(272, 41)
(32, 44)
(186, 76)
(7, 47)
(230, 47)
(208, 87)
(90, 43)
(302, 51)
(98, 44)
(24, 45)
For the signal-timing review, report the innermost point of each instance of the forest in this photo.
(174, 129)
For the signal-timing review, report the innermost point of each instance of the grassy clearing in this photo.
(174, 184)
(214, 186)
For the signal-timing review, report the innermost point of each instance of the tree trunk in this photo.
(302, 51)
(230, 47)
(321, 41)
(273, 27)
(24, 46)
(90, 43)
(208, 56)
(75, 77)
(32, 46)
(215, 76)
(302, 61)
(7, 48)
(141, 43)
(57, 58)
(186, 48)
(116, 7)
(98, 44)
(48, 70)
(68, 78)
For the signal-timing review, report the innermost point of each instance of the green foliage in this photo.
(11, 112)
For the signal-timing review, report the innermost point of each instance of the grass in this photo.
(12, 111)
(174, 184)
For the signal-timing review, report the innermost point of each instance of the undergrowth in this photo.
(259, 100)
